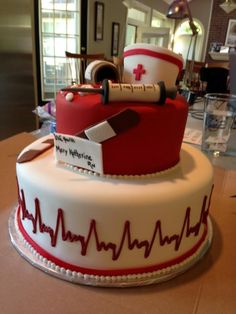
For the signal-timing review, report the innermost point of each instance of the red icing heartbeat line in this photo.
(67, 235)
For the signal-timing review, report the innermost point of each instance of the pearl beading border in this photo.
(117, 176)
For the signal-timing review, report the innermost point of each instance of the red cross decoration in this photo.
(138, 72)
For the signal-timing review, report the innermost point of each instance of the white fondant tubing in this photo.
(149, 64)
(95, 66)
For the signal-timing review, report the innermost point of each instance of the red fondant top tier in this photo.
(151, 146)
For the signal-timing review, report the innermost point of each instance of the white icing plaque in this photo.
(79, 152)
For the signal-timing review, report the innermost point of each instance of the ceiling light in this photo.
(228, 6)
(178, 10)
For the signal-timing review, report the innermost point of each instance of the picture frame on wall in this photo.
(115, 39)
(99, 20)
(215, 46)
(230, 39)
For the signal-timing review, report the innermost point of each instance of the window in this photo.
(138, 15)
(184, 29)
(160, 20)
(59, 31)
(131, 34)
(147, 25)
(185, 44)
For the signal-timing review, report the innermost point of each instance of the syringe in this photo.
(155, 93)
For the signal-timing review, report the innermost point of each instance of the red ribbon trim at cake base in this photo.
(111, 272)
(154, 54)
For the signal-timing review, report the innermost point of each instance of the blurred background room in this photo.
(34, 35)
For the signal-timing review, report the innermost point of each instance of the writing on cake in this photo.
(78, 152)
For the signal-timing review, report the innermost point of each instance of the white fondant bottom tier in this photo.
(115, 227)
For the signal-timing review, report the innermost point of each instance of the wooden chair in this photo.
(78, 63)
(218, 64)
(119, 63)
(216, 79)
(192, 75)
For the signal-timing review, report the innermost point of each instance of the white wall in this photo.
(114, 11)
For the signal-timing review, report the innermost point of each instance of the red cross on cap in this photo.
(138, 72)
